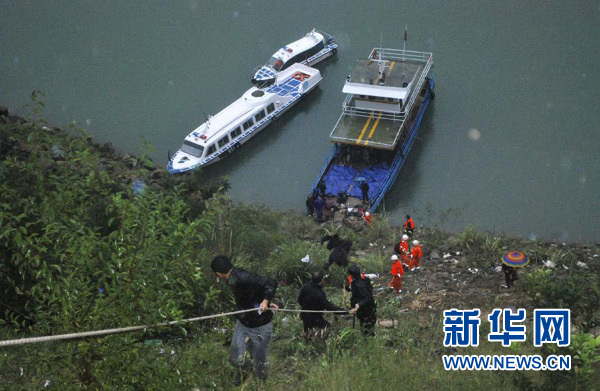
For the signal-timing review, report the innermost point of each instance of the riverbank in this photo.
(92, 240)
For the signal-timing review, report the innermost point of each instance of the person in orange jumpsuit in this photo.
(397, 273)
(415, 254)
(409, 226)
(368, 217)
(403, 250)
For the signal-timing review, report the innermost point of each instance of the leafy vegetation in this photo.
(91, 241)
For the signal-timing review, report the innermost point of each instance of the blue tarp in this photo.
(347, 179)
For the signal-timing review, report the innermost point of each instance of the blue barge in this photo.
(387, 96)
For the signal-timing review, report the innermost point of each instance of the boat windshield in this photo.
(275, 63)
(192, 148)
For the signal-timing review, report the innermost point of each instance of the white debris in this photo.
(371, 245)
(161, 351)
(285, 320)
(473, 271)
(47, 383)
(306, 259)
(566, 267)
(458, 253)
(372, 276)
(383, 247)
(172, 352)
(596, 255)
(21, 371)
(447, 255)
(498, 269)
(549, 263)
(455, 261)
(417, 291)
(582, 265)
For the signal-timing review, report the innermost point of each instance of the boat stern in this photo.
(302, 77)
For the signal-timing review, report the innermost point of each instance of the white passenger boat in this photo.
(308, 50)
(223, 133)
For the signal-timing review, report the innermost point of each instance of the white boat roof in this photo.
(304, 43)
(375, 90)
(238, 110)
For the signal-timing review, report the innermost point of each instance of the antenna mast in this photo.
(404, 51)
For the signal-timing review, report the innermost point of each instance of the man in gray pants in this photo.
(253, 330)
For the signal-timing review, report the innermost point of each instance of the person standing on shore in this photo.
(409, 226)
(510, 275)
(364, 187)
(319, 205)
(253, 328)
(397, 274)
(313, 298)
(415, 255)
(362, 300)
(322, 189)
(403, 250)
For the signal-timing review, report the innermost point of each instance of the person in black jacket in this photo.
(313, 298)
(340, 249)
(250, 291)
(362, 300)
(364, 187)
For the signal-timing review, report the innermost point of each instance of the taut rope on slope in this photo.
(98, 333)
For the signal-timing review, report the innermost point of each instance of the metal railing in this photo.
(397, 55)
(400, 55)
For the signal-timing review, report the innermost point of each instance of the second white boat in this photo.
(225, 132)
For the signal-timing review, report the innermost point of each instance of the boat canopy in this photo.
(381, 92)
(376, 91)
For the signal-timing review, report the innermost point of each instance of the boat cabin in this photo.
(202, 144)
(381, 90)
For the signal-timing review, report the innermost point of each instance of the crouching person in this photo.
(312, 298)
(254, 329)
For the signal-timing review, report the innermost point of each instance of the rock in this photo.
(387, 323)
(3, 111)
(107, 148)
(156, 174)
(582, 265)
(434, 254)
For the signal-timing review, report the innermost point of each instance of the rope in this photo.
(61, 337)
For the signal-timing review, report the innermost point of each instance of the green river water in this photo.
(510, 144)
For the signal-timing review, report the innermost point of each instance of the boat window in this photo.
(270, 108)
(295, 59)
(236, 132)
(248, 124)
(275, 63)
(211, 150)
(260, 115)
(192, 148)
(223, 141)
